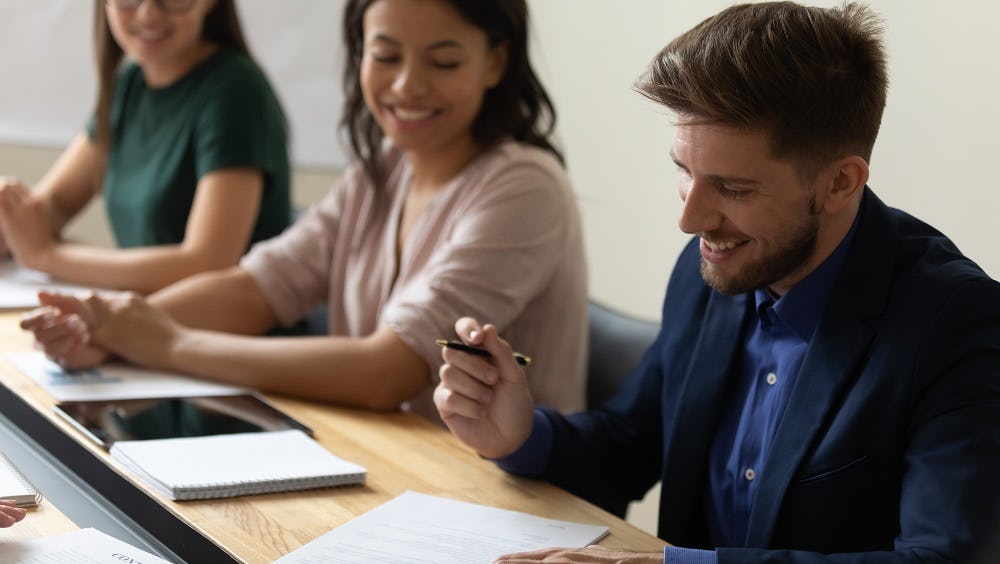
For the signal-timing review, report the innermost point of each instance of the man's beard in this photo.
(771, 268)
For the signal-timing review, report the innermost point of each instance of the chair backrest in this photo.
(315, 321)
(617, 342)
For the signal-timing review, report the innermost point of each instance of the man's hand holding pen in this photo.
(485, 401)
(522, 359)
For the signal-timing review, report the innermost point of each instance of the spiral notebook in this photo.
(236, 464)
(13, 485)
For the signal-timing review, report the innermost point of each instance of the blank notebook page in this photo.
(235, 464)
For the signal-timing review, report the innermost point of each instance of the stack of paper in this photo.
(113, 381)
(234, 465)
(19, 286)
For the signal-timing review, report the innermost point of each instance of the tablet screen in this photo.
(107, 421)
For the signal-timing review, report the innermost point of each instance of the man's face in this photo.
(758, 222)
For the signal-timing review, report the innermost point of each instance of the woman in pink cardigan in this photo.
(457, 204)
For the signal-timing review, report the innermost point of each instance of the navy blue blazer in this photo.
(889, 448)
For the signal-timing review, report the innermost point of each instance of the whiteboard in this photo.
(47, 89)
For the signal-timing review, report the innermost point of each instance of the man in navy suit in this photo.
(825, 386)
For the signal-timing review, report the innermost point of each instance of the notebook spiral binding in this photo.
(14, 486)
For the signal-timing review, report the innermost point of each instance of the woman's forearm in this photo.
(376, 372)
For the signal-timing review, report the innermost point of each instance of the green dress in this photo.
(221, 114)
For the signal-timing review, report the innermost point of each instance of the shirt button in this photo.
(772, 378)
(749, 474)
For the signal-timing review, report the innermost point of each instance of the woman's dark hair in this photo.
(221, 26)
(517, 107)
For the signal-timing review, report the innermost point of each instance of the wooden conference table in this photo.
(400, 450)
(43, 520)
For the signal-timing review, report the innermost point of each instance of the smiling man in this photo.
(826, 383)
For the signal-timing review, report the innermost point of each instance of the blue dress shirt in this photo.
(774, 345)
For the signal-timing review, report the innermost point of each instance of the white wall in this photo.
(934, 157)
(297, 42)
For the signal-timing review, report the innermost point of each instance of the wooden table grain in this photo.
(41, 521)
(401, 452)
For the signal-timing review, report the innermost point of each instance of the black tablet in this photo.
(107, 421)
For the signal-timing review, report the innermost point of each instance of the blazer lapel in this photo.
(832, 362)
(692, 429)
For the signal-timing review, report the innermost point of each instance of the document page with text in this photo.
(86, 546)
(416, 528)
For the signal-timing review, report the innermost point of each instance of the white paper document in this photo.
(19, 286)
(86, 546)
(416, 528)
(113, 381)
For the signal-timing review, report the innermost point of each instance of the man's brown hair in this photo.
(813, 79)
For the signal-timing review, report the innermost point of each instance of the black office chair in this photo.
(617, 342)
(314, 322)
